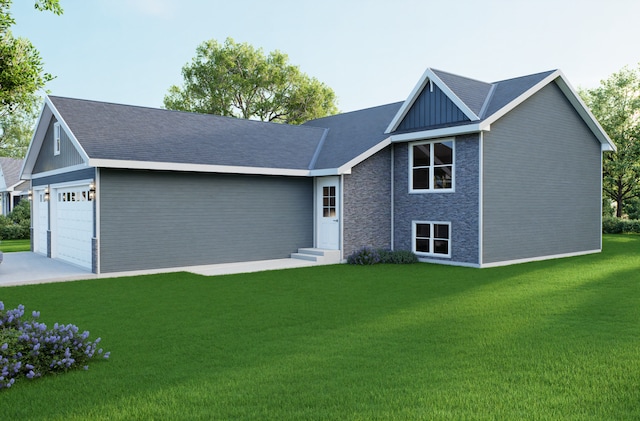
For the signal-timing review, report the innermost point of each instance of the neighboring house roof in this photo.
(125, 136)
(10, 171)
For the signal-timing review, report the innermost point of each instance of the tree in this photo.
(21, 76)
(239, 80)
(21, 68)
(16, 129)
(616, 105)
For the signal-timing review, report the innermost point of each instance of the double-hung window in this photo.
(432, 238)
(432, 166)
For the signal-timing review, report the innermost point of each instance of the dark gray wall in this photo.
(84, 174)
(47, 161)
(367, 204)
(162, 219)
(431, 109)
(541, 182)
(460, 208)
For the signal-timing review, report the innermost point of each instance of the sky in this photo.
(370, 52)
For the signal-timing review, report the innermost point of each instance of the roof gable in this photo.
(432, 108)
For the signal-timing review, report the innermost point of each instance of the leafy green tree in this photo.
(21, 76)
(16, 129)
(616, 105)
(238, 80)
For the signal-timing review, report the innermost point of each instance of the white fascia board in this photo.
(35, 143)
(346, 168)
(584, 112)
(523, 97)
(574, 99)
(427, 76)
(444, 132)
(57, 171)
(174, 166)
(67, 129)
(48, 110)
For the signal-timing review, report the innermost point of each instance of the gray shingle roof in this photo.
(124, 132)
(472, 92)
(11, 169)
(109, 131)
(351, 134)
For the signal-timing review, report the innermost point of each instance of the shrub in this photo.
(612, 225)
(398, 257)
(16, 225)
(364, 256)
(29, 349)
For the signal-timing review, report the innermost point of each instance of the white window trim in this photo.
(453, 166)
(414, 225)
(56, 138)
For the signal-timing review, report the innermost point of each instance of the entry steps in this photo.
(322, 256)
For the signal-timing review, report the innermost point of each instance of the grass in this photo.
(8, 246)
(541, 341)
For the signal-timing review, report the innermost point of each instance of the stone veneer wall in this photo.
(367, 204)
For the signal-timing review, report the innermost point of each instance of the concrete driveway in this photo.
(30, 268)
(24, 268)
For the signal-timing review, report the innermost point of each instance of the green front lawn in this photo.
(8, 246)
(547, 340)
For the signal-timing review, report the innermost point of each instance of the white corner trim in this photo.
(429, 76)
(538, 258)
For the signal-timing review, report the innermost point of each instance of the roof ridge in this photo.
(487, 101)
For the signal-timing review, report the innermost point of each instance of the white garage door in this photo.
(73, 228)
(41, 221)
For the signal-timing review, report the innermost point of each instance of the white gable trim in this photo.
(429, 76)
(574, 99)
(48, 110)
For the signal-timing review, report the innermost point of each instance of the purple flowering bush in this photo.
(29, 349)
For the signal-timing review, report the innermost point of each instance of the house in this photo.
(12, 189)
(462, 172)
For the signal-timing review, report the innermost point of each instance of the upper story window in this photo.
(56, 139)
(432, 166)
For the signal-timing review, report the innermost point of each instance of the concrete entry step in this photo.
(317, 255)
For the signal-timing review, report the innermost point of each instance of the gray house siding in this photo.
(68, 156)
(461, 208)
(431, 108)
(85, 174)
(542, 182)
(182, 219)
(367, 204)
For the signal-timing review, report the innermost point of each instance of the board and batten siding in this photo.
(68, 156)
(432, 108)
(542, 182)
(152, 219)
(367, 204)
(461, 207)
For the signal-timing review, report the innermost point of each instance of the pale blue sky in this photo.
(370, 52)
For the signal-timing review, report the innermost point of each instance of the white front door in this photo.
(328, 213)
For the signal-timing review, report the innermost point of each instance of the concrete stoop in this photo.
(322, 256)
